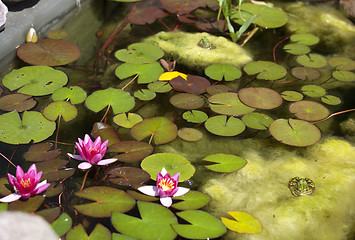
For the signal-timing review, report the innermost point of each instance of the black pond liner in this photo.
(19, 5)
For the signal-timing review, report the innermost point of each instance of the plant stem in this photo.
(274, 50)
(56, 135)
(84, 180)
(108, 108)
(334, 114)
(129, 82)
(8, 160)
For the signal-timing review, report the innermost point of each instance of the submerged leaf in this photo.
(17, 102)
(190, 134)
(131, 150)
(128, 176)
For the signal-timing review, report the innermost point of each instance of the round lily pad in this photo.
(41, 152)
(193, 84)
(139, 53)
(195, 116)
(266, 70)
(223, 71)
(342, 63)
(159, 87)
(214, 89)
(330, 100)
(106, 132)
(258, 121)
(147, 73)
(308, 110)
(190, 134)
(145, 15)
(313, 91)
(296, 48)
(60, 108)
(191, 200)
(312, 60)
(259, 97)
(145, 94)
(187, 101)
(128, 176)
(180, 7)
(17, 102)
(344, 76)
(49, 52)
(291, 96)
(131, 150)
(127, 120)
(225, 162)
(173, 163)
(62, 224)
(295, 132)
(305, 73)
(219, 125)
(75, 94)
(304, 38)
(244, 223)
(228, 104)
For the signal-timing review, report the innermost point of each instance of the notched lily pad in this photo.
(308, 110)
(223, 71)
(228, 104)
(194, 84)
(75, 94)
(257, 121)
(195, 116)
(187, 101)
(259, 97)
(131, 150)
(127, 120)
(145, 14)
(244, 223)
(180, 7)
(312, 60)
(147, 72)
(344, 76)
(41, 152)
(145, 94)
(219, 125)
(190, 134)
(139, 53)
(128, 176)
(313, 91)
(291, 96)
(330, 100)
(159, 87)
(191, 200)
(60, 108)
(106, 132)
(342, 63)
(305, 73)
(17, 102)
(304, 38)
(224, 162)
(55, 169)
(265, 70)
(215, 89)
(296, 49)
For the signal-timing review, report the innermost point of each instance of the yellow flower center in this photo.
(166, 184)
(26, 183)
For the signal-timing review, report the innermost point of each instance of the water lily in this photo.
(91, 152)
(25, 184)
(166, 188)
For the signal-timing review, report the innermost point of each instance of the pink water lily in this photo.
(25, 184)
(166, 188)
(91, 152)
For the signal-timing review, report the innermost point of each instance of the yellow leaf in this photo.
(167, 76)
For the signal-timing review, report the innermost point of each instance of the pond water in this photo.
(261, 131)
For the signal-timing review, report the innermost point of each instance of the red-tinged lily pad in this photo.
(99, 232)
(41, 152)
(222, 126)
(131, 150)
(305, 73)
(60, 109)
(308, 110)
(17, 102)
(191, 200)
(31, 205)
(145, 15)
(265, 70)
(127, 120)
(187, 101)
(128, 176)
(225, 162)
(190, 134)
(75, 94)
(259, 97)
(243, 223)
(49, 214)
(222, 71)
(295, 132)
(194, 84)
(180, 7)
(312, 60)
(106, 132)
(215, 89)
(313, 91)
(291, 96)
(330, 100)
(49, 52)
(160, 129)
(195, 116)
(106, 200)
(211, 24)
(62, 224)
(228, 104)
(342, 63)
(257, 121)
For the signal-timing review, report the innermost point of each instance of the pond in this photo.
(184, 120)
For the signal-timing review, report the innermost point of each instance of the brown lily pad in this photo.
(259, 97)
(17, 102)
(309, 111)
(145, 15)
(194, 84)
(187, 101)
(106, 132)
(131, 150)
(41, 152)
(128, 176)
(180, 7)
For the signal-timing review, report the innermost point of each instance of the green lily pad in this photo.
(225, 162)
(195, 116)
(55, 170)
(49, 214)
(266, 70)
(40, 152)
(106, 200)
(223, 71)
(245, 223)
(131, 150)
(291, 96)
(330, 100)
(35, 80)
(17, 102)
(229, 104)
(344, 76)
(31, 205)
(202, 225)
(99, 233)
(313, 91)
(296, 48)
(33, 126)
(312, 60)
(299, 28)
(160, 129)
(191, 200)
(117, 236)
(305, 73)
(190, 134)
(295, 132)
(141, 197)
(145, 94)
(139, 53)
(147, 73)
(60, 108)
(106, 132)
(62, 224)
(128, 176)
(127, 120)
(119, 100)
(193, 84)
(75, 94)
(257, 121)
(160, 87)
(219, 125)
(259, 97)
(4, 191)
(154, 223)
(187, 101)
(308, 110)
(342, 63)
(173, 163)
(304, 38)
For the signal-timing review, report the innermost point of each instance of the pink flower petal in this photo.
(84, 165)
(87, 139)
(97, 143)
(166, 201)
(41, 187)
(96, 158)
(38, 177)
(11, 198)
(149, 190)
(77, 157)
(181, 191)
(176, 177)
(107, 161)
(12, 179)
(19, 173)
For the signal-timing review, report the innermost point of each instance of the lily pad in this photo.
(190, 134)
(296, 48)
(62, 224)
(49, 52)
(75, 94)
(145, 15)
(330, 100)
(173, 163)
(191, 200)
(139, 53)
(260, 97)
(31, 205)
(295, 132)
(60, 109)
(33, 126)
(312, 60)
(35, 80)
(180, 7)
(49, 214)
(187, 101)
(159, 87)
(99, 233)
(195, 116)
(145, 94)
(155, 222)
(223, 71)
(266, 70)
(342, 63)
(202, 225)
(131, 150)
(160, 129)
(127, 120)
(304, 39)
(308, 110)
(119, 100)
(147, 73)
(194, 84)
(225, 162)
(106, 132)
(40, 152)
(291, 96)
(141, 197)
(219, 125)
(54, 190)
(229, 104)
(128, 176)
(244, 223)
(313, 91)
(215, 89)
(106, 200)
(305, 73)
(17, 102)
(257, 121)
(55, 170)
(344, 76)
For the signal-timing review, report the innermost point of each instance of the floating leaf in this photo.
(49, 214)
(117, 236)
(296, 49)
(193, 84)
(245, 223)
(344, 76)
(342, 63)
(145, 15)
(190, 134)
(180, 7)
(159, 87)
(304, 38)
(33, 126)
(161, 129)
(54, 190)
(259, 97)
(128, 176)
(223, 71)
(99, 233)
(313, 91)
(40, 152)
(17, 102)
(202, 225)
(139, 53)
(167, 76)
(145, 94)
(107, 200)
(308, 110)
(219, 125)
(119, 100)
(31, 205)
(312, 60)
(49, 52)
(225, 162)
(54, 170)
(155, 222)
(191, 200)
(229, 104)
(147, 73)
(35, 80)
(215, 89)
(195, 116)
(291, 96)
(265, 70)
(258, 121)
(187, 101)
(305, 73)
(60, 108)
(330, 100)
(62, 224)
(127, 120)
(299, 28)
(295, 132)
(141, 197)
(106, 132)
(75, 94)
(173, 163)
(131, 150)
